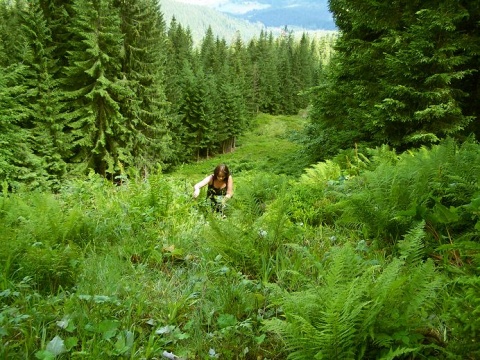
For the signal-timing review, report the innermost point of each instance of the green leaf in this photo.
(226, 320)
(444, 215)
(44, 355)
(108, 328)
(56, 346)
(71, 342)
(124, 342)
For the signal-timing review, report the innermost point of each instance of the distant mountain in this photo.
(198, 18)
(306, 14)
(228, 21)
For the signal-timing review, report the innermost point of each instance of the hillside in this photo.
(198, 18)
(268, 146)
(143, 271)
(305, 14)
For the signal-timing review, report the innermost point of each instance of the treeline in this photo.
(198, 18)
(107, 86)
(405, 73)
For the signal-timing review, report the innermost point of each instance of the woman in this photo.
(220, 187)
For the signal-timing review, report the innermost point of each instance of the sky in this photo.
(228, 6)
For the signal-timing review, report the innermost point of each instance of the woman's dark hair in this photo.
(222, 168)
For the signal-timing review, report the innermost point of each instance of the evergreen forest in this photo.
(354, 229)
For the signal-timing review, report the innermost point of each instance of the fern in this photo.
(320, 173)
(436, 185)
(412, 247)
(395, 353)
(359, 309)
(462, 307)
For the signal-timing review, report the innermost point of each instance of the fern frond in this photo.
(411, 247)
(395, 353)
(359, 308)
(320, 173)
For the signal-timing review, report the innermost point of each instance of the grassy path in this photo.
(267, 148)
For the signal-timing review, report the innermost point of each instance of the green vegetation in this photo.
(269, 147)
(368, 255)
(109, 86)
(107, 119)
(403, 74)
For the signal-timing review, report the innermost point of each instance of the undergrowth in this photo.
(371, 255)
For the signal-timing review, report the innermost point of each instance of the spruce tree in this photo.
(265, 80)
(9, 36)
(240, 71)
(232, 114)
(143, 62)
(42, 98)
(179, 49)
(196, 112)
(398, 76)
(17, 163)
(304, 64)
(25, 87)
(102, 139)
(57, 14)
(286, 74)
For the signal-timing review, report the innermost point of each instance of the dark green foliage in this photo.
(231, 115)
(42, 101)
(41, 244)
(50, 269)
(422, 185)
(197, 114)
(18, 164)
(179, 50)
(402, 75)
(311, 196)
(264, 76)
(358, 309)
(461, 307)
(101, 139)
(143, 62)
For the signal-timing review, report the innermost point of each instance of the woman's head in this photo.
(221, 172)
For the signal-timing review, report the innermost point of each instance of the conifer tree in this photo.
(9, 36)
(42, 100)
(178, 73)
(10, 108)
(265, 79)
(286, 74)
(179, 50)
(304, 65)
(196, 110)
(101, 137)
(240, 70)
(17, 163)
(208, 53)
(57, 14)
(399, 75)
(143, 65)
(232, 114)
(25, 90)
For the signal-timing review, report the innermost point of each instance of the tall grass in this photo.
(347, 259)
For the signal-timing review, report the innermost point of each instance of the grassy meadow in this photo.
(369, 255)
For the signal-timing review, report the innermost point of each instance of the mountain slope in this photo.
(198, 18)
(305, 14)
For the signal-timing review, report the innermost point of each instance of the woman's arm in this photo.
(199, 185)
(229, 187)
